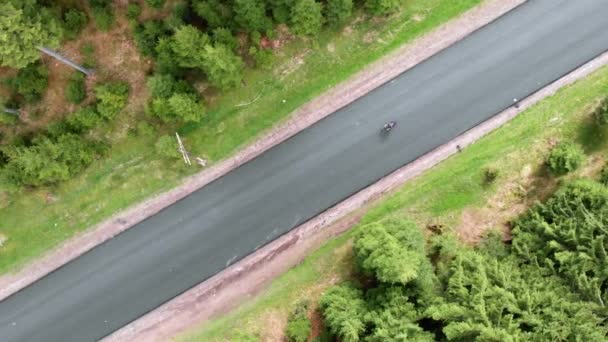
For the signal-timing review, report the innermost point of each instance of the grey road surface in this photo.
(199, 236)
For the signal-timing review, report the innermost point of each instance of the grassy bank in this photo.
(452, 195)
(33, 221)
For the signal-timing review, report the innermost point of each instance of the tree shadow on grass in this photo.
(592, 136)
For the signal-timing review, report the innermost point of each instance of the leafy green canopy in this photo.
(568, 235)
(390, 250)
(491, 299)
(24, 26)
(48, 161)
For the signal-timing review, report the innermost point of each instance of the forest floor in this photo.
(132, 172)
(452, 197)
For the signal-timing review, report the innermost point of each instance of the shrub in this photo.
(179, 15)
(222, 67)
(103, 17)
(306, 18)
(144, 129)
(216, 13)
(380, 7)
(600, 112)
(74, 20)
(148, 34)
(391, 251)
(76, 91)
(48, 161)
(111, 98)
(186, 107)
(337, 12)
(566, 235)
(155, 3)
(88, 53)
(490, 174)
(604, 176)
(224, 36)
(133, 11)
(298, 325)
(8, 119)
(164, 85)
(30, 82)
(250, 15)
(564, 158)
(166, 146)
(344, 311)
(83, 119)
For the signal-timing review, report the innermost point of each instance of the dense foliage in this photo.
(567, 235)
(565, 157)
(74, 20)
(601, 112)
(25, 26)
(111, 98)
(30, 82)
(550, 286)
(75, 91)
(49, 160)
(103, 16)
(298, 325)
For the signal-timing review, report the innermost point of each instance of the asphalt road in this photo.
(192, 240)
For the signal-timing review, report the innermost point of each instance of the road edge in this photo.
(356, 86)
(228, 288)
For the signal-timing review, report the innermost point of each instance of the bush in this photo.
(344, 311)
(30, 82)
(380, 7)
(600, 113)
(337, 12)
(88, 53)
(179, 15)
(166, 146)
(74, 20)
(155, 3)
(103, 17)
(144, 129)
(164, 85)
(566, 235)
(76, 90)
(186, 107)
(83, 119)
(222, 67)
(391, 251)
(48, 161)
(111, 98)
(8, 119)
(490, 174)
(604, 176)
(564, 158)
(298, 325)
(224, 36)
(250, 15)
(306, 18)
(148, 34)
(133, 11)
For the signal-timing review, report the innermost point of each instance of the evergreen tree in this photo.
(25, 26)
(250, 15)
(391, 250)
(306, 18)
(381, 7)
(337, 12)
(567, 236)
(344, 311)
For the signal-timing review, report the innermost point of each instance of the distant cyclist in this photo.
(388, 126)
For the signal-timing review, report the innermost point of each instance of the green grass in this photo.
(33, 221)
(439, 195)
